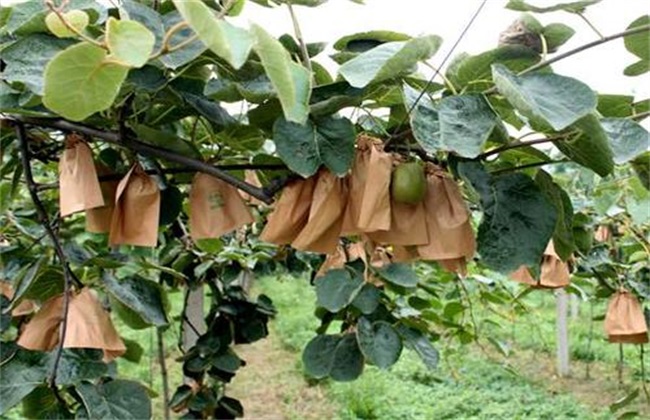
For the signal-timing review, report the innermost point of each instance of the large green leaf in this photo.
(641, 166)
(26, 59)
(379, 342)
(229, 42)
(518, 221)
(639, 45)
(399, 274)
(292, 82)
(77, 365)
(141, 296)
(573, 6)
(27, 370)
(389, 60)
(318, 355)
(467, 69)
(615, 106)
(627, 138)
(80, 81)
(418, 342)
(557, 100)
(590, 147)
(328, 141)
(563, 234)
(129, 42)
(347, 363)
(116, 399)
(466, 123)
(336, 289)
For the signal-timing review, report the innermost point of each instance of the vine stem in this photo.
(591, 25)
(519, 144)
(301, 41)
(149, 150)
(50, 5)
(163, 372)
(68, 277)
(527, 166)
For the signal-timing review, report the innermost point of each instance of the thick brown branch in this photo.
(68, 276)
(149, 150)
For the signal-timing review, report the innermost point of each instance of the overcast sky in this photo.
(601, 67)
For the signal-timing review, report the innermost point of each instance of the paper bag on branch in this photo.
(25, 307)
(451, 237)
(89, 326)
(137, 210)
(368, 208)
(408, 226)
(216, 208)
(290, 212)
(625, 321)
(335, 260)
(250, 176)
(554, 273)
(323, 228)
(78, 184)
(98, 220)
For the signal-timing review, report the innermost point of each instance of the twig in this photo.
(68, 279)
(163, 373)
(591, 25)
(519, 144)
(527, 166)
(303, 47)
(71, 28)
(149, 150)
(643, 381)
(640, 116)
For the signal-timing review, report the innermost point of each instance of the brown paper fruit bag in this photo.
(216, 208)
(337, 259)
(408, 226)
(78, 184)
(250, 176)
(98, 220)
(25, 307)
(554, 273)
(625, 322)
(323, 228)
(89, 326)
(451, 237)
(290, 212)
(368, 208)
(137, 210)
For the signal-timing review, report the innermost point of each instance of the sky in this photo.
(601, 68)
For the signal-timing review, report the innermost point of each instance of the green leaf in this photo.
(229, 42)
(627, 138)
(328, 141)
(467, 69)
(637, 69)
(399, 274)
(318, 355)
(364, 41)
(336, 289)
(389, 60)
(556, 35)
(134, 351)
(641, 166)
(27, 370)
(367, 300)
(116, 399)
(563, 234)
(591, 147)
(573, 6)
(77, 365)
(171, 205)
(292, 82)
(518, 221)
(80, 81)
(379, 342)
(466, 123)
(141, 296)
(130, 9)
(347, 364)
(129, 42)
(41, 403)
(418, 342)
(615, 106)
(26, 58)
(639, 44)
(189, 52)
(558, 100)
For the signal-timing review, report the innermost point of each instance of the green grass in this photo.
(474, 389)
